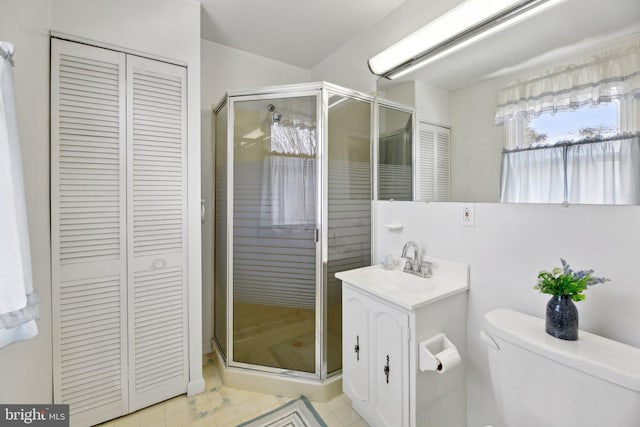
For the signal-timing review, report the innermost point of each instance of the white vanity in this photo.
(385, 315)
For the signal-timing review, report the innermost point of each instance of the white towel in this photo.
(18, 302)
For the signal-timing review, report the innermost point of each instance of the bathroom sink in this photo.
(407, 290)
(395, 280)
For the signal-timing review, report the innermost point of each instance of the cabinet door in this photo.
(88, 232)
(157, 228)
(355, 346)
(390, 365)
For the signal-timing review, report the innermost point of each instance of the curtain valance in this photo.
(601, 78)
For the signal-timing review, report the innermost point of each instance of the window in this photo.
(587, 122)
(584, 155)
(571, 132)
(601, 121)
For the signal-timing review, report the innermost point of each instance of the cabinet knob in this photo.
(386, 369)
(357, 348)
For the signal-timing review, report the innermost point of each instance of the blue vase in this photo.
(562, 318)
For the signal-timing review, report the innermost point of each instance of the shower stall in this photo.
(293, 205)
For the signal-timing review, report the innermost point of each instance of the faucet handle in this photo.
(424, 268)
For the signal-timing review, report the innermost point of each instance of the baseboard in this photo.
(195, 387)
(206, 347)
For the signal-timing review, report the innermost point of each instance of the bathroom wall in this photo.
(433, 104)
(26, 367)
(506, 249)
(165, 28)
(476, 143)
(225, 69)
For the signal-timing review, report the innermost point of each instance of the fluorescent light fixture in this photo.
(459, 27)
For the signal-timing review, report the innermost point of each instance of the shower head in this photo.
(275, 115)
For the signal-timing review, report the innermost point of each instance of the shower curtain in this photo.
(18, 302)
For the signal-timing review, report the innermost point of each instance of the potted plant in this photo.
(566, 286)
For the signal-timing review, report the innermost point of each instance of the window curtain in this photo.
(590, 172)
(18, 302)
(289, 175)
(533, 176)
(289, 189)
(612, 75)
(606, 172)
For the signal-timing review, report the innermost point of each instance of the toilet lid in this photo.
(595, 355)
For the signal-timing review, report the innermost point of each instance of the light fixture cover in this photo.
(466, 22)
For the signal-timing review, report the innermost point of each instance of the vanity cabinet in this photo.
(385, 315)
(375, 358)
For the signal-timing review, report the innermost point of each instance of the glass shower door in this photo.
(348, 206)
(275, 218)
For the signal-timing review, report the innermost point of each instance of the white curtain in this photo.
(289, 188)
(588, 172)
(606, 172)
(533, 176)
(18, 302)
(612, 75)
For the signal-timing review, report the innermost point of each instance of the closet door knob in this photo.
(159, 263)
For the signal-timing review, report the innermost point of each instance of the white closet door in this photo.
(433, 163)
(88, 183)
(157, 223)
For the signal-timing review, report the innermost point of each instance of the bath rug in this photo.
(297, 413)
(296, 353)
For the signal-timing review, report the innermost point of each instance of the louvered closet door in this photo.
(157, 203)
(433, 163)
(88, 183)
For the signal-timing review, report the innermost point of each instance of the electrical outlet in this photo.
(468, 215)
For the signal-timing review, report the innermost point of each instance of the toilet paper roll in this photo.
(448, 358)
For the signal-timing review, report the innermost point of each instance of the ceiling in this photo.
(297, 32)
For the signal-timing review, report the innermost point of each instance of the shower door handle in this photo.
(357, 347)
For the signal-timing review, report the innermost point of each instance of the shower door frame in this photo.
(322, 91)
(257, 95)
(329, 89)
(415, 141)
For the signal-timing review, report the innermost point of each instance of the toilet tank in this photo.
(542, 381)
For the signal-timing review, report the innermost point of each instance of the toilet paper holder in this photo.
(435, 348)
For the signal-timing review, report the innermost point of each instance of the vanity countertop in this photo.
(406, 290)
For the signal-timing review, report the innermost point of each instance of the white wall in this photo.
(506, 249)
(476, 143)
(225, 69)
(433, 104)
(26, 367)
(164, 28)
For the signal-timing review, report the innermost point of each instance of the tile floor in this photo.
(221, 406)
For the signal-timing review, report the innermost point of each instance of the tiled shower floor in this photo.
(221, 406)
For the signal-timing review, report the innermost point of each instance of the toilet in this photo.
(542, 381)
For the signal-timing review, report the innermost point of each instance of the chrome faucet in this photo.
(415, 265)
(411, 262)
